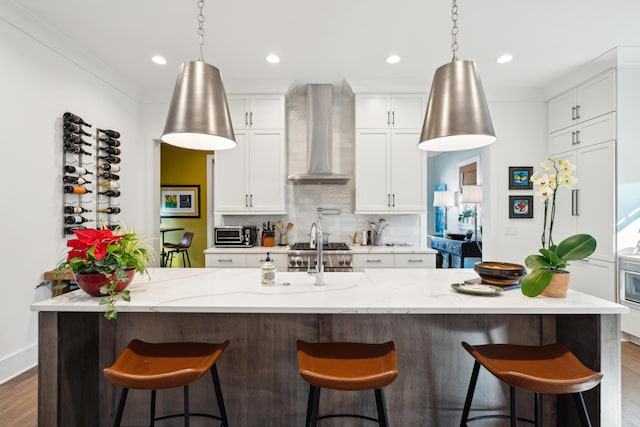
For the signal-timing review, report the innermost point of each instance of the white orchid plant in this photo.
(553, 258)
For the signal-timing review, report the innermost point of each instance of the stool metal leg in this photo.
(514, 411)
(218, 390)
(470, 391)
(536, 408)
(188, 260)
(313, 416)
(123, 399)
(184, 263)
(152, 410)
(186, 406)
(582, 410)
(383, 420)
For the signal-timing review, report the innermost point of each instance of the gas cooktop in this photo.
(306, 246)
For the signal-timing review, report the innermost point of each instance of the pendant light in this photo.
(198, 114)
(457, 116)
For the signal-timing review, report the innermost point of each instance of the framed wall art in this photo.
(519, 177)
(520, 206)
(180, 201)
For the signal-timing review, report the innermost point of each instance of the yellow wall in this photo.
(180, 166)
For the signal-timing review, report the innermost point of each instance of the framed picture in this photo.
(519, 177)
(520, 206)
(180, 201)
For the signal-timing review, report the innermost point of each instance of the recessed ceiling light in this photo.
(273, 59)
(504, 59)
(393, 59)
(159, 60)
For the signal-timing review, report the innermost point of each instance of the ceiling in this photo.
(326, 41)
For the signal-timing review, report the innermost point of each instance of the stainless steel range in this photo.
(336, 257)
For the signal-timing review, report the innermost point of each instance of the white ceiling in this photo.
(325, 41)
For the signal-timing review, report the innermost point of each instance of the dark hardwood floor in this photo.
(19, 397)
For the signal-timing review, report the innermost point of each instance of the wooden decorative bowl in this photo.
(500, 273)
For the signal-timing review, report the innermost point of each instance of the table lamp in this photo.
(473, 194)
(444, 199)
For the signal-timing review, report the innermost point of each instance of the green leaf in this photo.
(551, 257)
(576, 247)
(536, 261)
(535, 282)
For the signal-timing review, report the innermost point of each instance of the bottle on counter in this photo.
(268, 270)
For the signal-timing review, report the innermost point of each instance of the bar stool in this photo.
(346, 366)
(176, 248)
(148, 366)
(551, 369)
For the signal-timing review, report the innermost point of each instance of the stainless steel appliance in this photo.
(630, 282)
(336, 257)
(233, 236)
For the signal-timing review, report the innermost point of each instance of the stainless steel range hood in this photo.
(319, 142)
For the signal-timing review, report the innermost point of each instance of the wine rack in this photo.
(91, 166)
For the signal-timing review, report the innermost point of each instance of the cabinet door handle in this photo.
(224, 260)
(573, 113)
(573, 138)
(573, 202)
(577, 137)
(388, 118)
(388, 199)
(577, 202)
(246, 119)
(246, 200)
(415, 260)
(374, 260)
(577, 111)
(393, 118)
(250, 200)
(394, 201)
(251, 118)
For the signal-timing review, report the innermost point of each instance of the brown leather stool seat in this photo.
(149, 366)
(551, 369)
(347, 366)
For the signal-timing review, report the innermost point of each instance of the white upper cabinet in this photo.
(251, 178)
(390, 169)
(591, 99)
(257, 111)
(399, 111)
(591, 132)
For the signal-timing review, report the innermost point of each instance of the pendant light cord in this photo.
(454, 31)
(201, 28)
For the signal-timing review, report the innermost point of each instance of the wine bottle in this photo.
(74, 128)
(110, 193)
(75, 219)
(109, 176)
(76, 189)
(76, 149)
(72, 138)
(70, 117)
(71, 230)
(108, 167)
(110, 150)
(110, 184)
(111, 133)
(71, 179)
(110, 159)
(75, 210)
(109, 141)
(77, 170)
(109, 210)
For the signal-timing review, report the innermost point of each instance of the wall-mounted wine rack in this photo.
(88, 169)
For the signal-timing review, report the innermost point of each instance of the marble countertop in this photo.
(356, 249)
(405, 291)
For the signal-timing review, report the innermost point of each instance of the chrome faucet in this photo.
(316, 243)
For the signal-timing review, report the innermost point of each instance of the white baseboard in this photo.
(17, 363)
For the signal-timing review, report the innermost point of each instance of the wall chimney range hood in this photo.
(319, 139)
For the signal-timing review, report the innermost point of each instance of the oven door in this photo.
(630, 282)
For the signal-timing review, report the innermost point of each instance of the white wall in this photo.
(521, 130)
(38, 85)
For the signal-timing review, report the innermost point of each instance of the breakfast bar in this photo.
(416, 308)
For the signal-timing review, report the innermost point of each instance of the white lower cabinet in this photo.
(389, 260)
(594, 277)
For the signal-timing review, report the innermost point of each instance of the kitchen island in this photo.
(416, 308)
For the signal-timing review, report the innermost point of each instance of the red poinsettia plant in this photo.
(111, 254)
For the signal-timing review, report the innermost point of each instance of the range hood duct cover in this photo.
(319, 139)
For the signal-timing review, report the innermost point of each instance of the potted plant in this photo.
(548, 268)
(104, 263)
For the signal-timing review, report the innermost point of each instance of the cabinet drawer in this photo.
(256, 260)
(373, 261)
(225, 260)
(415, 260)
